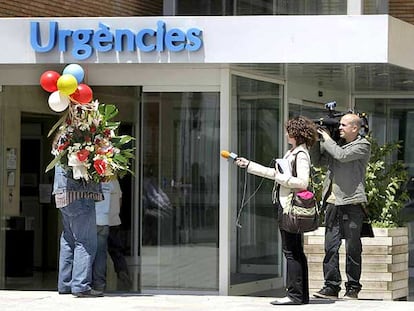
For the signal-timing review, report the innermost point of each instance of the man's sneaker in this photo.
(89, 294)
(351, 293)
(326, 292)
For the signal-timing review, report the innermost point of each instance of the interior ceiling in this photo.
(367, 78)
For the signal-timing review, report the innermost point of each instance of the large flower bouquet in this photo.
(86, 142)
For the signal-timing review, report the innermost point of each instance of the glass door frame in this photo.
(222, 84)
(138, 209)
(228, 183)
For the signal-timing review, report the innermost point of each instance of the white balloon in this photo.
(58, 101)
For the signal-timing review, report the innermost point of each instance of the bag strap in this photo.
(312, 172)
(295, 174)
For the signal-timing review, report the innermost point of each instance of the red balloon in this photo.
(48, 80)
(83, 94)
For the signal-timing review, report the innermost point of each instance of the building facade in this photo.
(191, 80)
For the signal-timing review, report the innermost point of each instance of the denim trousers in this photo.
(297, 284)
(345, 222)
(99, 265)
(77, 246)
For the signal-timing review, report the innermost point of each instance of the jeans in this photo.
(297, 267)
(345, 223)
(99, 265)
(77, 246)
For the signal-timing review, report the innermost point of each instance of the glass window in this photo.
(203, 7)
(376, 109)
(291, 7)
(312, 111)
(180, 174)
(260, 7)
(376, 6)
(257, 107)
(392, 119)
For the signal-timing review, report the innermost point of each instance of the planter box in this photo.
(384, 263)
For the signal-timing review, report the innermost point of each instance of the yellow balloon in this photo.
(67, 84)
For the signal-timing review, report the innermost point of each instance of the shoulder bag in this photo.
(301, 214)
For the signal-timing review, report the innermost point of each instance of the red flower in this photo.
(100, 166)
(92, 129)
(83, 155)
(63, 146)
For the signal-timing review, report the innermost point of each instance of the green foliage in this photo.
(318, 176)
(385, 185)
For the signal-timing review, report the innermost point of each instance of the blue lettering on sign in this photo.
(85, 41)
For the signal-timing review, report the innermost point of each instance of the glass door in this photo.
(256, 263)
(179, 191)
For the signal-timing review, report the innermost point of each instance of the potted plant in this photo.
(384, 257)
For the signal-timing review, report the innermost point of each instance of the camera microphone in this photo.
(331, 105)
(226, 154)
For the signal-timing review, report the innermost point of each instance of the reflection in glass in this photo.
(180, 166)
(257, 105)
(392, 119)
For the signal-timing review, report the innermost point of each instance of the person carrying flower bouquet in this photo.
(88, 152)
(75, 200)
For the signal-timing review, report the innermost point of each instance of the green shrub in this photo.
(385, 185)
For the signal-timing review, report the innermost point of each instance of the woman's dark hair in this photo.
(303, 130)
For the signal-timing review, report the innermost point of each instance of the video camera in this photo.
(330, 123)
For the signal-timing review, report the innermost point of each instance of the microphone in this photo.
(226, 154)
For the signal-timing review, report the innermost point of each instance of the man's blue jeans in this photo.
(99, 265)
(77, 246)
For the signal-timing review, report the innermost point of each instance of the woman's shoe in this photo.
(285, 301)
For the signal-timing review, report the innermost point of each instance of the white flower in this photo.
(78, 168)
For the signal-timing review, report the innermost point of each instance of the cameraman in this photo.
(346, 162)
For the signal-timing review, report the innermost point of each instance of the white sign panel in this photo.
(230, 39)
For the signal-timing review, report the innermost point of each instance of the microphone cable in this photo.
(244, 201)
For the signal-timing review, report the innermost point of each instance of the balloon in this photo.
(75, 70)
(83, 94)
(67, 84)
(48, 80)
(58, 101)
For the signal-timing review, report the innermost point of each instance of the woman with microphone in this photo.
(301, 135)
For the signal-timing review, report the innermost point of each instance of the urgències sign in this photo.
(84, 42)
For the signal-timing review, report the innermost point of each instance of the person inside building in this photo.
(102, 228)
(115, 245)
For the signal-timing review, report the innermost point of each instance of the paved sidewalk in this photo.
(47, 300)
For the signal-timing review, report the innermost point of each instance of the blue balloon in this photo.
(76, 71)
